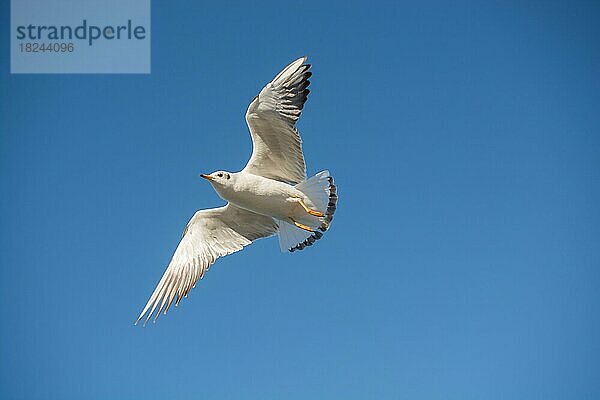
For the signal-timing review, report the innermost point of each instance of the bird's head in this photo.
(218, 178)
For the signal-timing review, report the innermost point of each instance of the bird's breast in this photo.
(263, 196)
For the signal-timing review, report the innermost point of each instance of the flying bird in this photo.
(271, 195)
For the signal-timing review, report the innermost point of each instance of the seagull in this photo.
(271, 195)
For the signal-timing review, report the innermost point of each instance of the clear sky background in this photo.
(463, 261)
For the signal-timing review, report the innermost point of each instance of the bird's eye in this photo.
(220, 175)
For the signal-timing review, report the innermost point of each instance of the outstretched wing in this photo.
(210, 234)
(271, 117)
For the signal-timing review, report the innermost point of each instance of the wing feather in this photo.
(210, 234)
(271, 117)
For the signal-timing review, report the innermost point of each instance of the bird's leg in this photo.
(308, 210)
(301, 226)
(311, 211)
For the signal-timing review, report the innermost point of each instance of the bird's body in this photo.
(264, 196)
(271, 195)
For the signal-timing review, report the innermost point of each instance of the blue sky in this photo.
(463, 262)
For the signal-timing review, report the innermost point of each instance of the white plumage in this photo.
(270, 195)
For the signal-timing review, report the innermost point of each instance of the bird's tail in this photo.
(322, 193)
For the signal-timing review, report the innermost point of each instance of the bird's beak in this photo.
(207, 177)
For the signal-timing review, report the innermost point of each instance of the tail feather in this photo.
(331, 205)
(322, 193)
